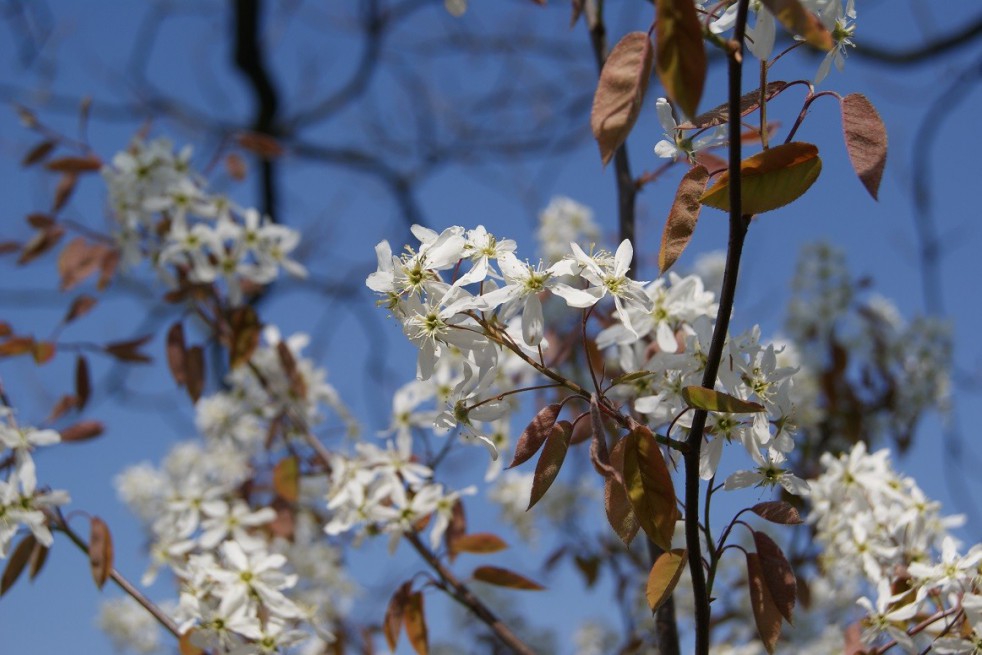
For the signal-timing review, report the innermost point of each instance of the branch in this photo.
(923, 53)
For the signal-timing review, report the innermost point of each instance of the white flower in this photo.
(675, 145)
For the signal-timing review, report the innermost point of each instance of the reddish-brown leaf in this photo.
(866, 140)
(577, 11)
(85, 164)
(79, 308)
(40, 221)
(43, 351)
(17, 562)
(415, 621)
(260, 144)
(749, 103)
(107, 268)
(616, 503)
(535, 434)
(801, 22)
(82, 431)
(38, 153)
(177, 353)
(681, 53)
(194, 372)
(5, 329)
(235, 166)
(550, 461)
(286, 478)
(9, 247)
(63, 191)
(664, 576)
(129, 350)
(83, 381)
(43, 241)
(245, 326)
(766, 615)
(777, 511)
(456, 529)
(479, 542)
(64, 404)
(682, 218)
(16, 346)
(100, 551)
(620, 92)
(777, 574)
(392, 624)
(649, 486)
(38, 557)
(505, 578)
(298, 386)
(78, 260)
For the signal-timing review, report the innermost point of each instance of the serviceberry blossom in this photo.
(676, 144)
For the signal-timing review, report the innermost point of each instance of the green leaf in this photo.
(770, 179)
(550, 461)
(801, 22)
(682, 218)
(505, 578)
(649, 487)
(620, 92)
(681, 53)
(866, 140)
(664, 576)
(717, 401)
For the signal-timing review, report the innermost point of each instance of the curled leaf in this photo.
(620, 92)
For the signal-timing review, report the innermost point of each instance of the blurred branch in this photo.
(925, 52)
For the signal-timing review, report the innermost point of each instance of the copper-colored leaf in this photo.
(749, 103)
(5, 329)
(550, 461)
(392, 624)
(777, 574)
(770, 179)
(78, 260)
(185, 646)
(777, 511)
(43, 241)
(766, 615)
(620, 92)
(801, 22)
(16, 346)
(535, 434)
(682, 218)
(286, 478)
(664, 576)
(866, 140)
(100, 551)
(79, 308)
(245, 326)
(40, 221)
(43, 351)
(298, 386)
(129, 350)
(17, 562)
(681, 53)
(479, 542)
(74, 164)
(649, 486)
(260, 144)
(236, 166)
(38, 153)
(63, 191)
(61, 407)
(83, 381)
(82, 431)
(194, 372)
(456, 529)
(415, 621)
(505, 578)
(38, 557)
(9, 247)
(176, 353)
(620, 515)
(717, 401)
(576, 12)
(107, 268)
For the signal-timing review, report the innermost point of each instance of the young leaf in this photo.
(664, 576)
(40, 243)
(801, 22)
(416, 623)
(263, 145)
(43, 351)
(286, 478)
(681, 223)
(777, 574)
(86, 164)
(479, 542)
(245, 326)
(777, 511)
(38, 153)
(177, 353)
(456, 529)
(235, 166)
(16, 346)
(38, 557)
(77, 261)
(681, 56)
(505, 578)
(298, 386)
(185, 646)
(194, 372)
(100, 551)
(17, 562)
(770, 179)
(717, 401)
(129, 351)
(83, 384)
(550, 461)
(535, 434)
(392, 624)
(766, 615)
(866, 140)
(620, 515)
(79, 308)
(64, 190)
(620, 92)
(64, 404)
(649, 486)
(82, 431)
(749, 103)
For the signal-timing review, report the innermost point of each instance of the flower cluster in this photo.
(164, 213)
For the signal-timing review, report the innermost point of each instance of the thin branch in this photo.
(923, 53)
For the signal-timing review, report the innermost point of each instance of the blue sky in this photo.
(90, 52)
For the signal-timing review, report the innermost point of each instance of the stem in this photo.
(738, 231)
(62, 525)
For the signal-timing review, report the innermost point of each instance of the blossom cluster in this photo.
(164, 213)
